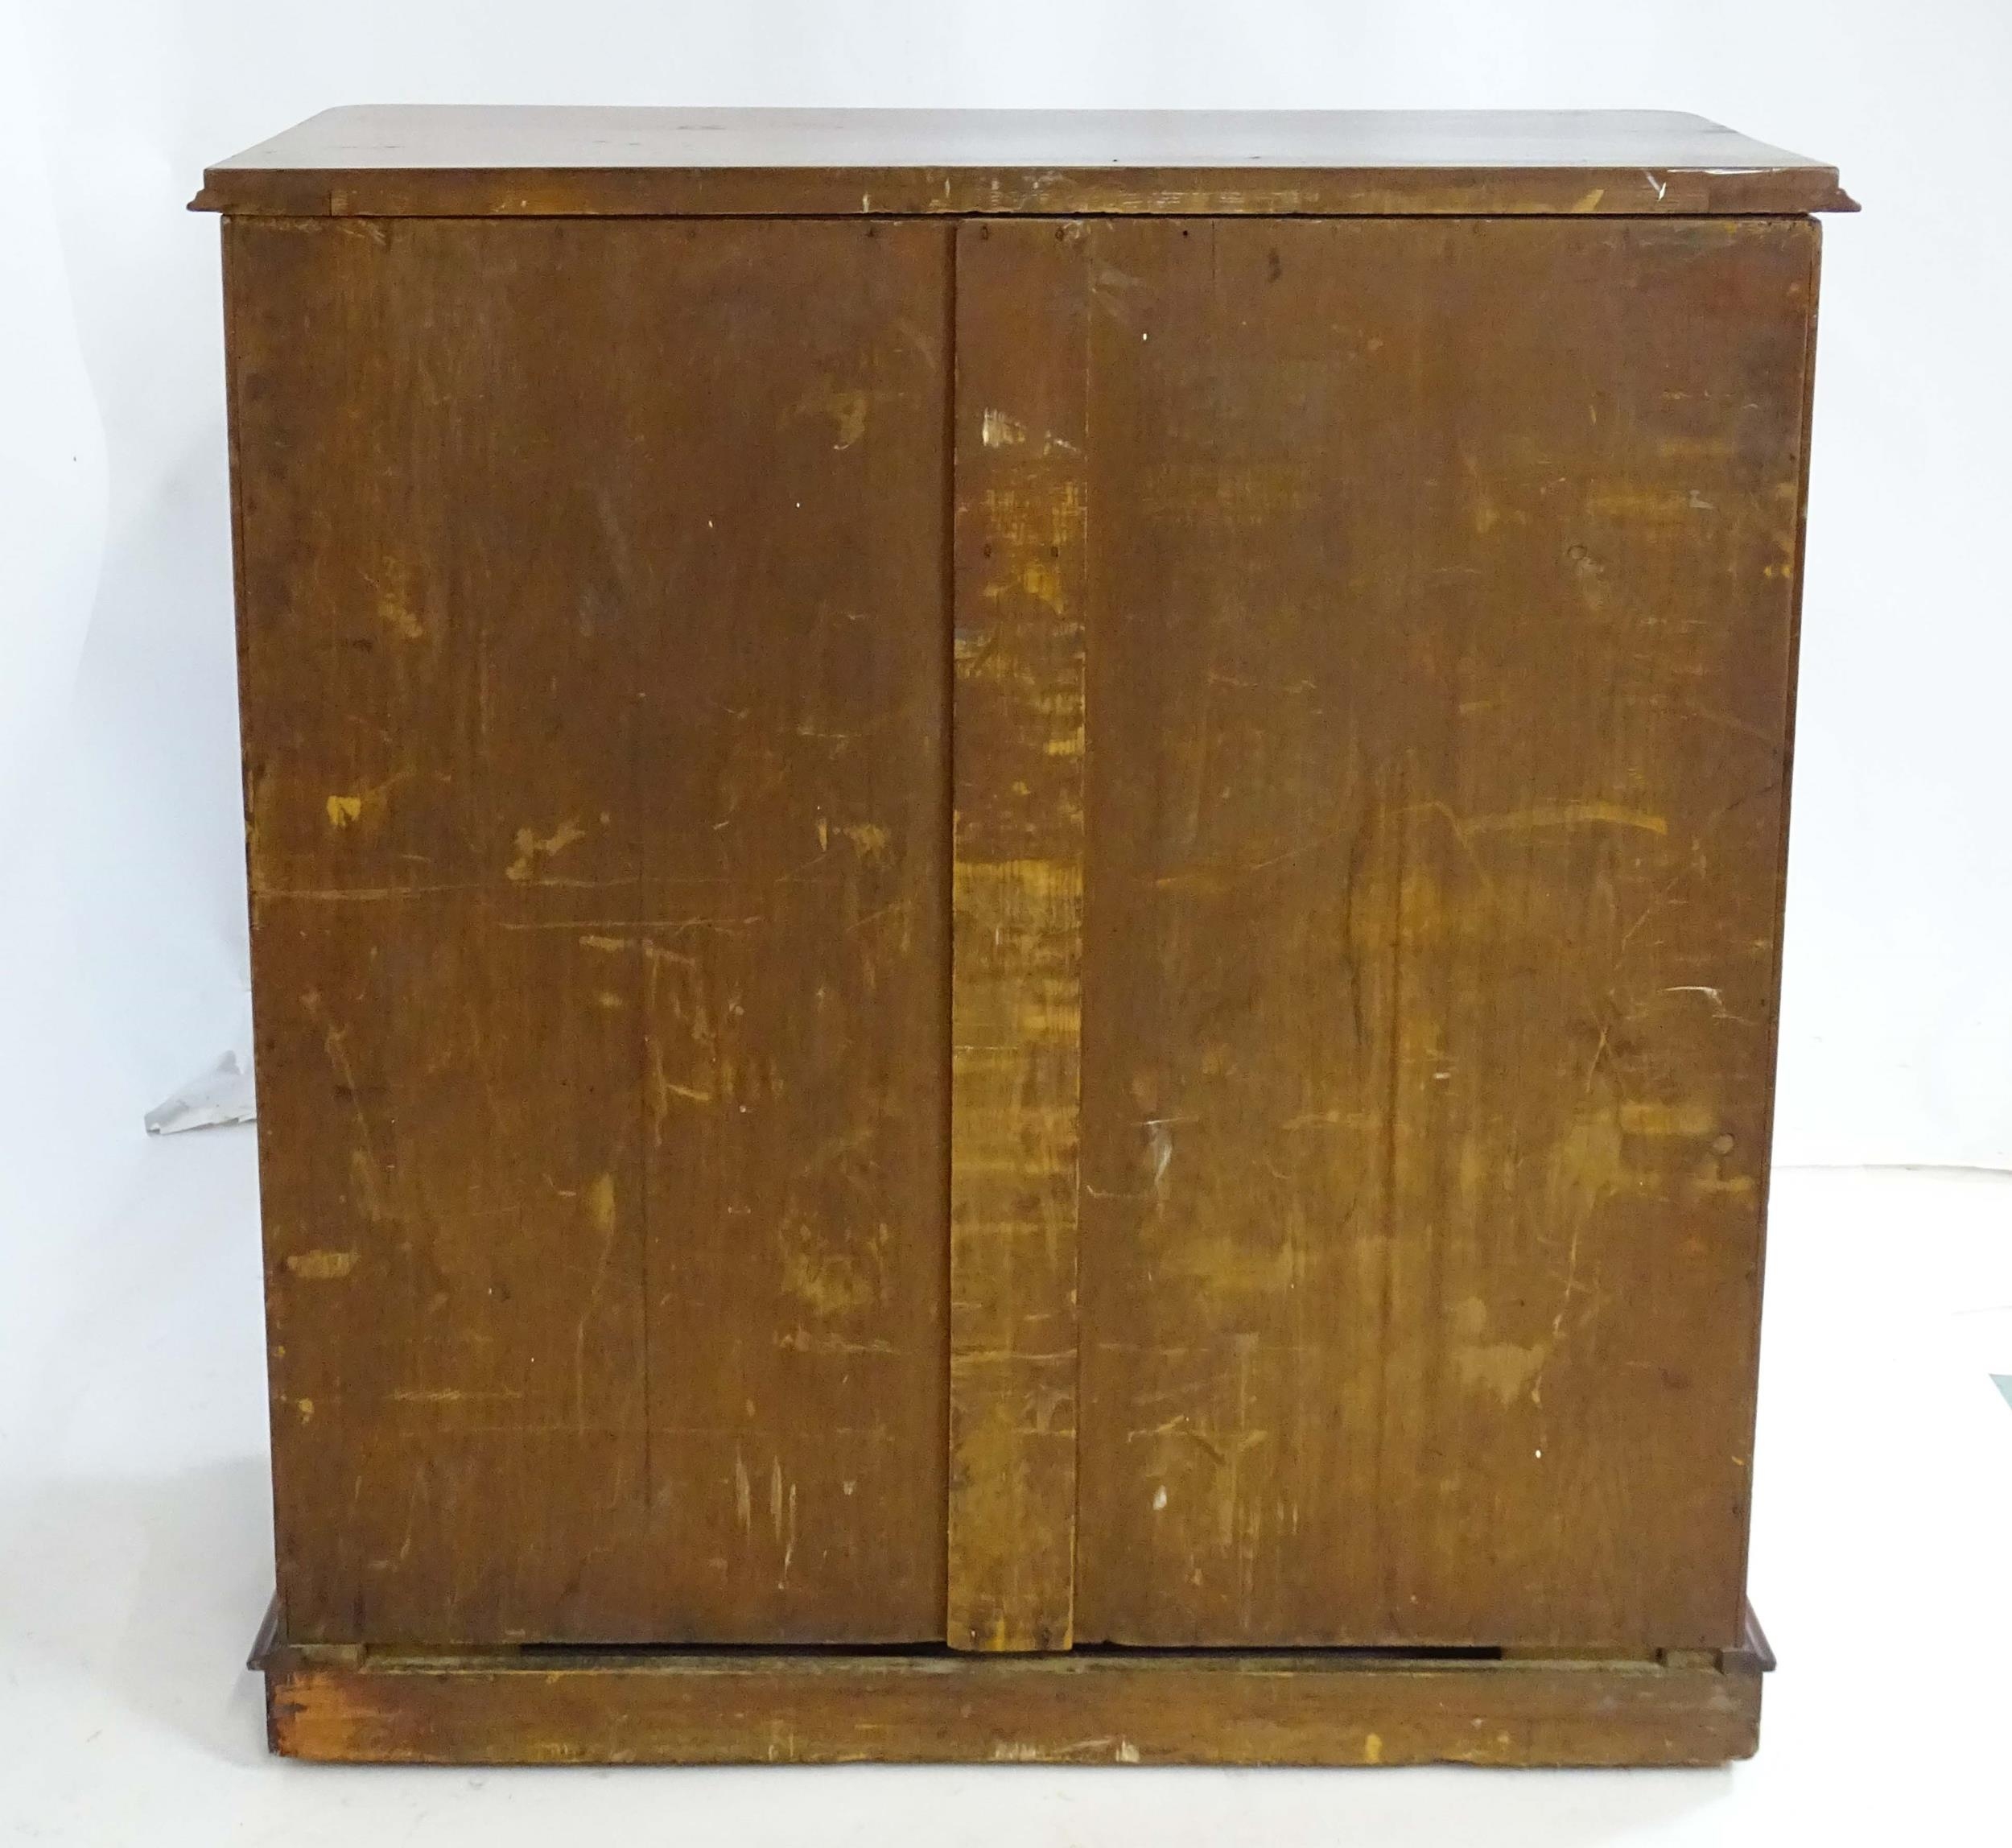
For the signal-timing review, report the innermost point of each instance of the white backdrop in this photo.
(122, 928)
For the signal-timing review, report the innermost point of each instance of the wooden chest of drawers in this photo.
(1016, 896)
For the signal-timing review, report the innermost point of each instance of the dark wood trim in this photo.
(892, 192)
(1754, 1651)
(266, 1643)
(435, 161)
(1337, 1707)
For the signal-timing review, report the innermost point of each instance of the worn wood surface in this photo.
(1440, 613)
(595, 664)
(432, 160)
(1085, 1709)
(1054, 931)
(1016, 937)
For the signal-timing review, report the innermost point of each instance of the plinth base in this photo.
(586, 1705)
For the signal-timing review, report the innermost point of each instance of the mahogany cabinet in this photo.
(1015, 889)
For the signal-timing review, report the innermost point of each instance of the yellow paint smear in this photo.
(1041, 579)
(845, 405)
(1502, 1367)
(322, 1266)
(400, 619)
(395, 600)
(1650, 506)
(1039, 894)
(1499, 1366)
(833, 1283)
(530, 848)
(868, 838)
(997, 431)
(1232, 1268)
(1668, 1119)
(450, 1396)
(1566, 814)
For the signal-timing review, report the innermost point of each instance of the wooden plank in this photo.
(795, 976)
(1102, 1708)
(1766, 1176)
(1016, 929)
(1440, 601)
(594, 782)
(446, 161)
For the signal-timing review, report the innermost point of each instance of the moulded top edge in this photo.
(454, 161)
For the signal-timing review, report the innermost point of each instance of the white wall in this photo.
(122, 935)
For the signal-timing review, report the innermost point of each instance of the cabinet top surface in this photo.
(460, 161)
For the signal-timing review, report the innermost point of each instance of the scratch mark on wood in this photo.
(1567, 814)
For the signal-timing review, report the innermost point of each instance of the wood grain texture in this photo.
(447, 161)
(1007, 936)
(1016, 933)
(1099, 1708)
(596, 775)
(1440, 623)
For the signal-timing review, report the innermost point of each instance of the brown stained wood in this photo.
(1015, 1014)
(595, 765)
(1008, 935)
(1442, 579)
(447, 161)
(1174, 1709)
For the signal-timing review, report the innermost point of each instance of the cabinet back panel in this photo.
(594, 666)
(1440, 612)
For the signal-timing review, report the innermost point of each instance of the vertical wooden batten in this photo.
(1017, 752)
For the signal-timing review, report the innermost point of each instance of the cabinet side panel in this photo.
(595, 664)
(1439, 639)
(1017, 932)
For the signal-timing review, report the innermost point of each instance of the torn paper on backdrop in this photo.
(225, 1093)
